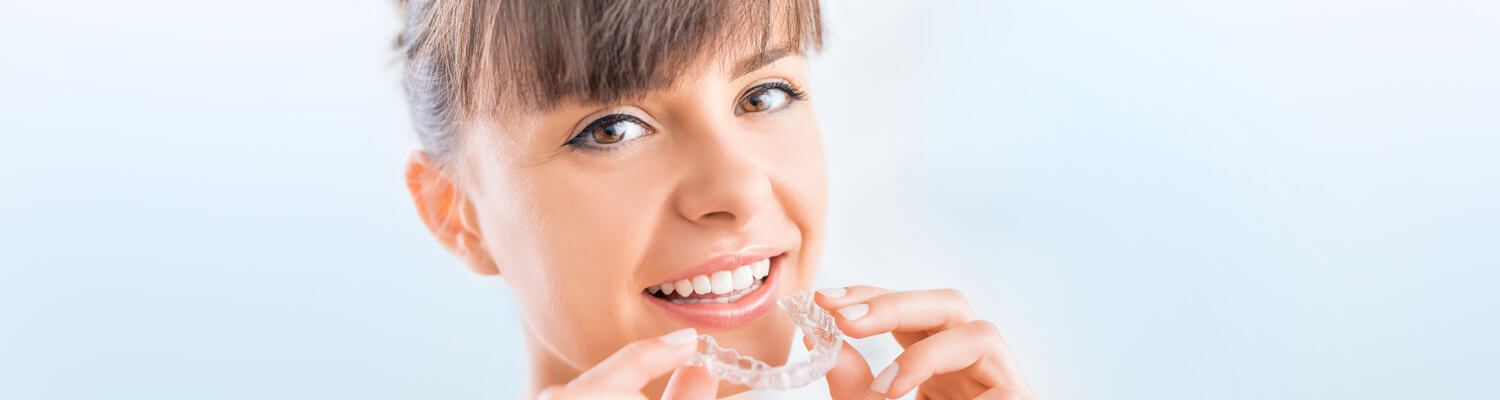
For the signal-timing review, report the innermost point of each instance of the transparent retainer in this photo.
(729, 365)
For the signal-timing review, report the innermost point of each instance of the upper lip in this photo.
(727, 262)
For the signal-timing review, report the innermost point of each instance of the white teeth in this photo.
(721, 299)
(723, 282)
(701, 285)
(742, 277)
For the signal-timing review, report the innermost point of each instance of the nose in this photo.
(725, 187)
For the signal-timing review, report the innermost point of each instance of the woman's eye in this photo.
(609, 130)
(767, 97)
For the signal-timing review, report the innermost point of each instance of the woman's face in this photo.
(588, 211)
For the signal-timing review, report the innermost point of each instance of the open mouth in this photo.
(725, 286)
(723, 292)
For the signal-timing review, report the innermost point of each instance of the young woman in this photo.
(643, 171)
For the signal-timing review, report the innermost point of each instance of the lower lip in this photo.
(748, 308)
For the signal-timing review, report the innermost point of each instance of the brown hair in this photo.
(468, 57)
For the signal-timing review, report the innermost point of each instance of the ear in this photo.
(447, 213)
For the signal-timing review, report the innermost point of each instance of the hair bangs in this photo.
(467, 58)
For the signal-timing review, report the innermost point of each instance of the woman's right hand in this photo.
(623, 374)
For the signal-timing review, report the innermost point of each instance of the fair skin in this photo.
(580, 222)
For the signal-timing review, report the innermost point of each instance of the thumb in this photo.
(691, 383)
(850, 377)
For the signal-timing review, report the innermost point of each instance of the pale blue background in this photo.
(1155, 199)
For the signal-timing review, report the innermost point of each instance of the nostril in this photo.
(724, 215)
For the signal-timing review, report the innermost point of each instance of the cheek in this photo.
(804, 174)
(794, 155)
(561, 236)
(798, 169)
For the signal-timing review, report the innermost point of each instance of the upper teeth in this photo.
(720, 282)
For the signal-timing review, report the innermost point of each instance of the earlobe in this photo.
(469, 250)
(447, 213)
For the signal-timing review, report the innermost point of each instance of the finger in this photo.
(1005, 393)
(691, 383)
(832, 299)
(837, 298)
(635, 365)
(975, 347)
(910, 315)
(850, 377)
(568, 393)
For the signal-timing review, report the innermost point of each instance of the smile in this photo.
(718, 287)
(724, 292)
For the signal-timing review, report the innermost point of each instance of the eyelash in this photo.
(581, 141)
(791, 91)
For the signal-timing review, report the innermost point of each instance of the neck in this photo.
(546, 368)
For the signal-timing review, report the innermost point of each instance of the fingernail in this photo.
(833, 293)
(854, 312)
(680, 336)
(882, 382)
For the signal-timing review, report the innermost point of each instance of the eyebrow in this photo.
(758, 60)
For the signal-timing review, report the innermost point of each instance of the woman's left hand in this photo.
(949, 353)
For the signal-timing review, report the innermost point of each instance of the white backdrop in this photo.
(1154, 199)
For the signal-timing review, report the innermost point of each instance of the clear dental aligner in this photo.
(816, 324)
